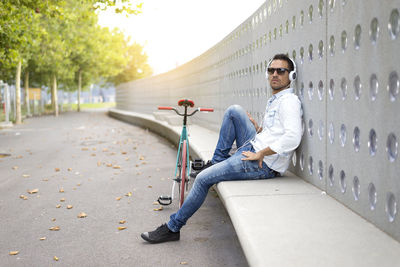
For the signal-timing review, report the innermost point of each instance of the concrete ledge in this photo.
(288, 222)
(285, 221)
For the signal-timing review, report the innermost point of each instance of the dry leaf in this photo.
(93, 155)
(62, 200)
(105, 149)
(121, 228)
(15, 168)
(55, 258)
(116, 167)
(184, 263)
(57, 169)
(19, 157)
(85, 148)
(79, 184)
(141, 158)
(25, 175)
(155, 203)
(99, 163)
(23, 197)
(45, 180)
(34, 191)
(14, 252)
(122, 222)
(109, 165)
(150, 186)
(69, 207)
(58, 206)
(118, 198)
(42, 238)
(129, 194)
(159, 208)
(53, 219)
(69, 169)
(123, 152)
(55, 228)
(82, 215)
(61, 190)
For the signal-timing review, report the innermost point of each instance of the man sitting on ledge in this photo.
(263, 152)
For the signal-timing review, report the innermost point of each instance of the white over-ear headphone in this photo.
(292, 74)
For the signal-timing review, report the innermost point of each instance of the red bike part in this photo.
(183, 174)
(165, 108)
(207, 109)
(186, 102)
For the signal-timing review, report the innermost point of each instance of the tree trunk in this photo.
(54, 98)
(18, 93)
(79, 89)
(26, 84)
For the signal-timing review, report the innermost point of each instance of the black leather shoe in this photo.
(194, 173)
(160, 235)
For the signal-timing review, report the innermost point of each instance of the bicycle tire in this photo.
(183, 174)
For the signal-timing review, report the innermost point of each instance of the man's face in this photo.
(278, 81)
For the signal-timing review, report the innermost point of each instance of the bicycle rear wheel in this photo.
(183, 174)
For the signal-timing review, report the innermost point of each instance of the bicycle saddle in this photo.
(186, 103)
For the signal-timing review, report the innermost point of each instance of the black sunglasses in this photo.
(280, 71)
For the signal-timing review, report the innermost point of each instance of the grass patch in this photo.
(89, 106)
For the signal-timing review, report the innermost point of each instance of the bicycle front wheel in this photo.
(183, 174)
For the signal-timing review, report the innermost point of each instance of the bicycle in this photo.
(182, 166)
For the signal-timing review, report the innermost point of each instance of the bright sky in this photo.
(175, 31)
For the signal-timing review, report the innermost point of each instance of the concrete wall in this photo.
(347, 55)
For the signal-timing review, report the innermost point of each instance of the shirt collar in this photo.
(281, 93)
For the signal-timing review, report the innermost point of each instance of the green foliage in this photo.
(62, 38)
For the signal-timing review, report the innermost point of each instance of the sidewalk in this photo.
(285, 221)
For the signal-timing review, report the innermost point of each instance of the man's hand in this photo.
(253, 156)
(254, 123)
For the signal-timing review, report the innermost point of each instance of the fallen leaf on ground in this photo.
(141, 158)
(93, 155)
(23, 197)
(116, 167)
(184, 263)
(69, 169)
(82, 215)
(58, 206)
(109, 165)
(105, 149)
(79, 184)
(121, 228)
(57, 169)
(159, 208)
(53, 219)
(155, 203)
(14, 252)
(55, 258)
(19, 157)
(45, 180)
(15, 167)
(25, 175)
(33, 191)
(129, 194)
(99, 163)
(55, 228)
(123, 152)
(62, 200)
(85, 148)
(150, 186)
(118, 198)
(122, 222)
(61, 190)
(69, 207)
(42, 238)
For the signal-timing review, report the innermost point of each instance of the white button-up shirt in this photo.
(282, 129)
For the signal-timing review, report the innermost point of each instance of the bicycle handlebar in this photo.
(191, 114)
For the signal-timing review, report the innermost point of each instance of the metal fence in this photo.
(347, 54)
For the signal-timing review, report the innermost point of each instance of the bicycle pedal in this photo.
(197, 164)
(164, 200)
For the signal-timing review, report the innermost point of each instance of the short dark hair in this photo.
(285, 58)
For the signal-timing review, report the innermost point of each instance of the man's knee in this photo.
(234, 109)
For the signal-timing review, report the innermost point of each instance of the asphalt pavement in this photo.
(77, 190)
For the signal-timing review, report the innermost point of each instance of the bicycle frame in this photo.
(184, 138)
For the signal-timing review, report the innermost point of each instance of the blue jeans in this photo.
(236, 126)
